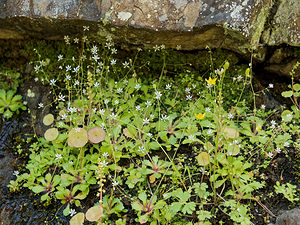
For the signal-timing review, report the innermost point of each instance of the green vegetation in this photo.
(178, 148)
(10, 103)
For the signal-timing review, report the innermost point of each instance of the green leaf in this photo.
(287, 116)
(296, 87)
(203, 159)
(143, 197)
(287, 94)
(38, 189)
(136, 205)
(189, 207)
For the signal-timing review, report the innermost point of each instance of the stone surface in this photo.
(230, 24)
(290, 217)
(285, 26)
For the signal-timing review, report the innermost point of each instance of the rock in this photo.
(284, 69)
(290, 217)
(192, 24)
(285, 26)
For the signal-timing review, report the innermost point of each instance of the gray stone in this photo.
(290, 217)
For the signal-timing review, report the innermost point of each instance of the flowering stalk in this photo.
(101, 180)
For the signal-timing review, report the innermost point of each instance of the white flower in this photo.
(148, 103)
(289, 116)
(76, 82)
(141, 149)
(77, 129)
(64, 116)
(59, 57)
(114, 183)
(209, 132)
(41, 105)
(145, 121)
(138, 108)
(36, 79)
(116, 102)
(286, 144)
(137, 86)
(149, 135)
(58, 156)
(72, 109)
(61, 98)
(158, 95)
(86, 28)
(68, 77)
(235, 142)
(67, 39)
(96, 84)
(16, 173)
(94, 50)
(106, 101)
(105, 155)
(52, 82)
(76, 69)
(262, 106)
(270, 154)
(209, 86)
(168, 86)
(278, 150)
(164, 118)
(101, 111)
(125, 82)
(95, 57)
(191, 137)
(60, 124)
(151, 116)
(71, 162)
(271, 85)
(273, 122)
(119, 90)
(187, 90)
(113, 116)
(36, 68)
(72, 212)
(68, 68)
(239, 78)
(230, 116)
(113, 62)
(207, 109)
(189, 97)
(76, 40)
(103, 164)
(113, 51)
(125, 65)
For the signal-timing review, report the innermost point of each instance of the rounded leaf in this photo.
(96, 135)
(287, 116)
(77, 137)
(287, 94)
(51, 134)
(233, 149)
(203, 159)
(94, 213)
(231, 132)
(78, 219)
(48, 119)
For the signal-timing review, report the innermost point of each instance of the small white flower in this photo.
(36, 79)
(60, 124)
(58, 156)
(151, 116)
(72, 212)
(189, 97)
(158, 94)
(125, 82)
(16, 173)
(164, 118)
(145, 121)
(52, 82)
(235, 142)
(271, 85)
(141, 149)
(68, 77)
(101, 111)
(207, 109)
(168, 86)
(149, 135)
(106, 101)
(230, 116)
(191, 137)
(113, 116)
(262, 106)
(209, 86)
(187, 90)
(113, 62)
(76, 69)
(114, 183)
(137, 86)
(119, 90)
(270, 154)
(148, 103)
(116, 102)
(113, 51)
(273, 122)
(239, 78)
(76, 82)
(125, 65)
(71, 162)
(96, 84)
(77, 129)
(209, 132)
(138, 108)
(68, 68)
(105, 155)
(94, 50)
(61, 98)
(67, 39)
(76, 40)
(286, 144)
(59, 57)
(86, 28)
(72, 109)
(96, 57)
(36, 68)
(289, 116)
(41, 105)
(278, 150)
(103, 164)
(64, 116)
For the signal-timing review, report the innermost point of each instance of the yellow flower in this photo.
(211, 81)
(200, 116)
(258, 127)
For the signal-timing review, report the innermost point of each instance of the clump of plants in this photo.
(165, 153)
(10, 103)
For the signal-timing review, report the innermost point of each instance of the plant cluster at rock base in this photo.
(159, 152)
